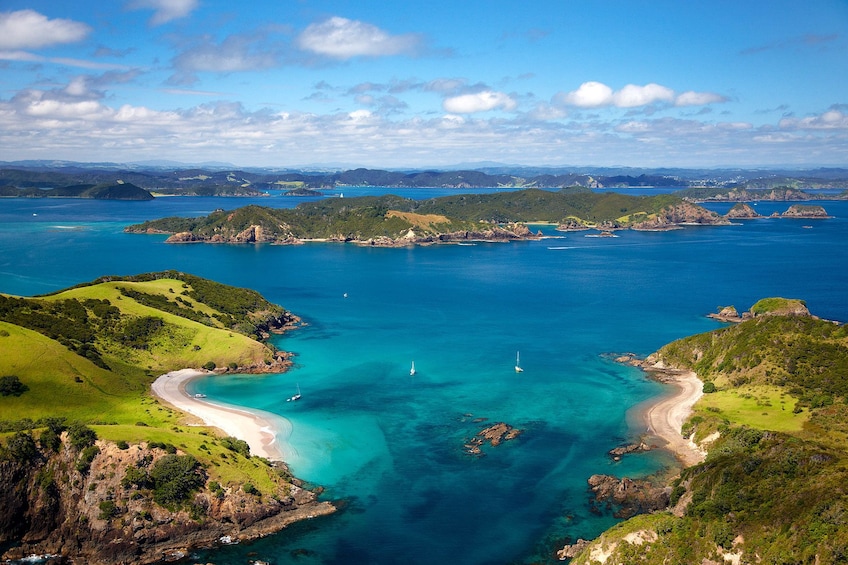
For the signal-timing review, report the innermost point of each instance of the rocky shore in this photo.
(127, 526)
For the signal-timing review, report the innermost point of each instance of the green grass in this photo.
(187, 343)
(761, 406)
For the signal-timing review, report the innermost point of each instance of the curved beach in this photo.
(666, 416)
(264, 433)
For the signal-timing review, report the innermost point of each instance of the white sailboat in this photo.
(296, 396)
(412, 370)
(518, 368)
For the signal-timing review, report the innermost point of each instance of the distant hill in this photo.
(103, 191)
(219, 179)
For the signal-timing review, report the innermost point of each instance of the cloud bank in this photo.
(598, 95)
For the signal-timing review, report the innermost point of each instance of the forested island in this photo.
(102, 191)
(92, 468)
(395, 221)
(773, 423)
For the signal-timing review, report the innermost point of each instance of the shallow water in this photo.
(390, 444)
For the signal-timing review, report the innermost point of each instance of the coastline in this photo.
(664, 416)
(265, 433)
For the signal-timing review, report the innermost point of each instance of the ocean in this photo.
(389, 445)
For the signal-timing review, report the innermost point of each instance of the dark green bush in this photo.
(175, 478)
(11, 385)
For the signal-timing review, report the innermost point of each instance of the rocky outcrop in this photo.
(678, 215)
(766, 307)
(627, 497)
(742, 211)
(730, 314)
(572, 549)
(494, 435)
(617, 452)
(802, 211)
(51, 507)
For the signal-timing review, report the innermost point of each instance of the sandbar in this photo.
(265, 433)
(665, 416)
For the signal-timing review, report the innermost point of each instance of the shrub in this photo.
(22, 447)
(209, 365)
(86, 457)
(108, 510)
(709, 387)
(81, 436)
(50, 440)
(136, 476)
(122, 444)
(237, 445)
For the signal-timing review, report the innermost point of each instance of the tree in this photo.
(174, 478)
(10, 385)
(22, 447)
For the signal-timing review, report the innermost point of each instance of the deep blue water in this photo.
(390, 445)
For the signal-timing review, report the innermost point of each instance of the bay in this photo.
(389, 444)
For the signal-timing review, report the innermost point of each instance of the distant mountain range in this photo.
(166, 177)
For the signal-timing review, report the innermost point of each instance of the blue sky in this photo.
(654, 83)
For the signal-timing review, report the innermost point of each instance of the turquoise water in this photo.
(389, 444)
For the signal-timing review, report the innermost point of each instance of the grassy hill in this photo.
(89, 354)
(773, 486)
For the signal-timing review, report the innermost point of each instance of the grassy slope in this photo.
(188, 343)
(117, 402)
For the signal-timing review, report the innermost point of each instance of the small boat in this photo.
(198, 395)
(296, 396)
(412, 370)
(518, 368)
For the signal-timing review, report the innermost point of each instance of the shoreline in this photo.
(265, 433)
(664, 416)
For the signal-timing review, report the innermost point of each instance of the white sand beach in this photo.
(665, 417)
(265, 433)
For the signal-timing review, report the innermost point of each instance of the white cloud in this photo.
(831, 119)
(27, 29)
(341, 38)
(478, 102)
(633, 96)
(597, 95)
(589, 95)
(692, 98)
(234, 54)
(164, 10)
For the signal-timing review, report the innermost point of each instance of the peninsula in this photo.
(763, 448)
(95, 469)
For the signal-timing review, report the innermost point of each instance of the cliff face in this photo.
(50, 507)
